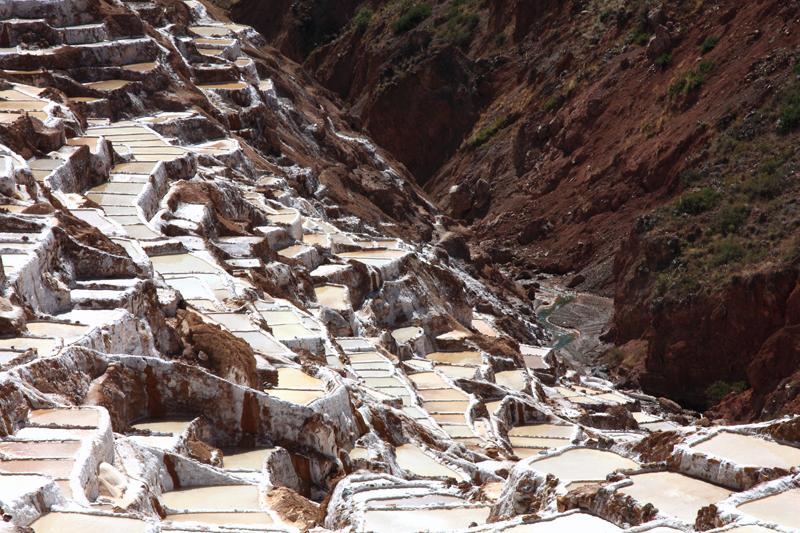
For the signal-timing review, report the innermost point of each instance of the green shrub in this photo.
(719, 389)
(696, 202)
(484, 135)
(796, 68)
(664, 60)
(689, 176)
(708, 44)
(763, 187)
(730, 218)
(459, 26)
(363, 18)
(692, 80)
(789, 113)
(411, 18)
(726, 251)
(553, 102)
(639, 37)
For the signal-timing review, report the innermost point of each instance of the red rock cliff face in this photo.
(746, 331)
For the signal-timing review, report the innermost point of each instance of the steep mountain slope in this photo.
(645, 149)
(222, 309)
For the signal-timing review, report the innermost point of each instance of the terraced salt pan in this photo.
(229, 86)
(365, 357)
(428, 380)
(300, 397)
(40, 449)
(233, 321)
(413, 460)
(156, 441)
(21, 483)
(674, 494)
(220, 42)
(457, 358)
(642, 417)
(456, 372)
(583, 464)
(556, 431)
(513, 379)
(432, 395)
(781, 509)
(248, 519)
(292, 331)
(24, 105)
(571, 523)
(446, 406)
(135, 168)
(118, 131)
(294, 250)
(221, 146)
(534, 356)
(449, 418)
(57, 329)
(173, 426)
(663, 425)
(7, 118)
(410, 520)
(182, 263)
(524, 453)
(537, 442)
(13, 262)
(333, 296)
(43, 347)
(456, 334)
(294, 378)
(80, 523)
(320, 239)
(262, 342)
(246, 459)
(750, 450)
(210, 31)
(458, 431)
(214, 498)
(39, 433)
(377, 258)
(403, 335)
(57, 468)
(140, 67)
(740, 529)
(166, 149)
(65, 417)
(107, 85)
(141, 232)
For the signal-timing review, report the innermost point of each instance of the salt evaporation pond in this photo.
(583, 464)
(576, 522)
(750, 450)
(213, 498)
(412, 520)
(83, 523)
(674, 494)
(413, 460)
(782, 509)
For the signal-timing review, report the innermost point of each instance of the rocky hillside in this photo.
(224, 309)
(642, 150)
